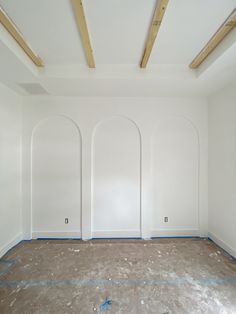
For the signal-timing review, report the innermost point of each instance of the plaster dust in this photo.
(157, 276)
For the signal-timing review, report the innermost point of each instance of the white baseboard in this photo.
(222, 244)
(4, 249)
(116, 234)
(56, 234)
(175, 233)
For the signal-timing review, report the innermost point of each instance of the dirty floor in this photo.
(158, 276)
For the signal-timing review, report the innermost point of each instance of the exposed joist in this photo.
(154, 28)
(217, 38)
(83, 29)
(15, 33)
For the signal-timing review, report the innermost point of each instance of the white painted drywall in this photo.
(175, 177)
(56, 178)
(10, 160)
(222, 168)
(119, 187)
(117, 69)
(110, 33)
(116, 163)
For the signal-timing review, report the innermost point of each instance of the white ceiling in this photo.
(118, 31)
(49, 26)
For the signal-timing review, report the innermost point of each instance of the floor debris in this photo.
(134, 277)
(12, 303)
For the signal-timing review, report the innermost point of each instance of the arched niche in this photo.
(175, 178)
(116, 179)
(56, 178)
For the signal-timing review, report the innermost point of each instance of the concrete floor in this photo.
(158, 276)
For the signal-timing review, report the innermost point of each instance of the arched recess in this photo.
(116, 179)
(56, 178)
(175, 178)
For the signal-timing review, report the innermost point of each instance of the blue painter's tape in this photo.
(138, 238)
(176, 237)
(8, 264)
(106, 304)
(47, 239)
(117, 282)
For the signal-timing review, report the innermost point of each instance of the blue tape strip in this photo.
(118, 282)
(138, 238)
(9, 264)
(176, 237)
(47, 239)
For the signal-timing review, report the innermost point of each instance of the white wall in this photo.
(175, 177)
(80, 156)
(10, 164)
(116, 179)
(56, 178)
(222, 168)
(125, 175)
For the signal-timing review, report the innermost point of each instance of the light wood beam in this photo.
(154, 28)
(217, 38)
(15, 33)
(83, 29)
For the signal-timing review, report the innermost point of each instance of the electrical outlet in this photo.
(166, 219)
(66, 221)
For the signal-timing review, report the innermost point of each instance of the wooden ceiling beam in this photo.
(83, 29)
(16, 34)
(215, 40)
(153, 30)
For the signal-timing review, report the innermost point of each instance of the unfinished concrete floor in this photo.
(158, 276)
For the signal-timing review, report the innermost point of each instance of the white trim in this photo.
(175, 233)
(124, 71)
(4, 249)
(116, 234)
(56, 234)
(222, 244)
